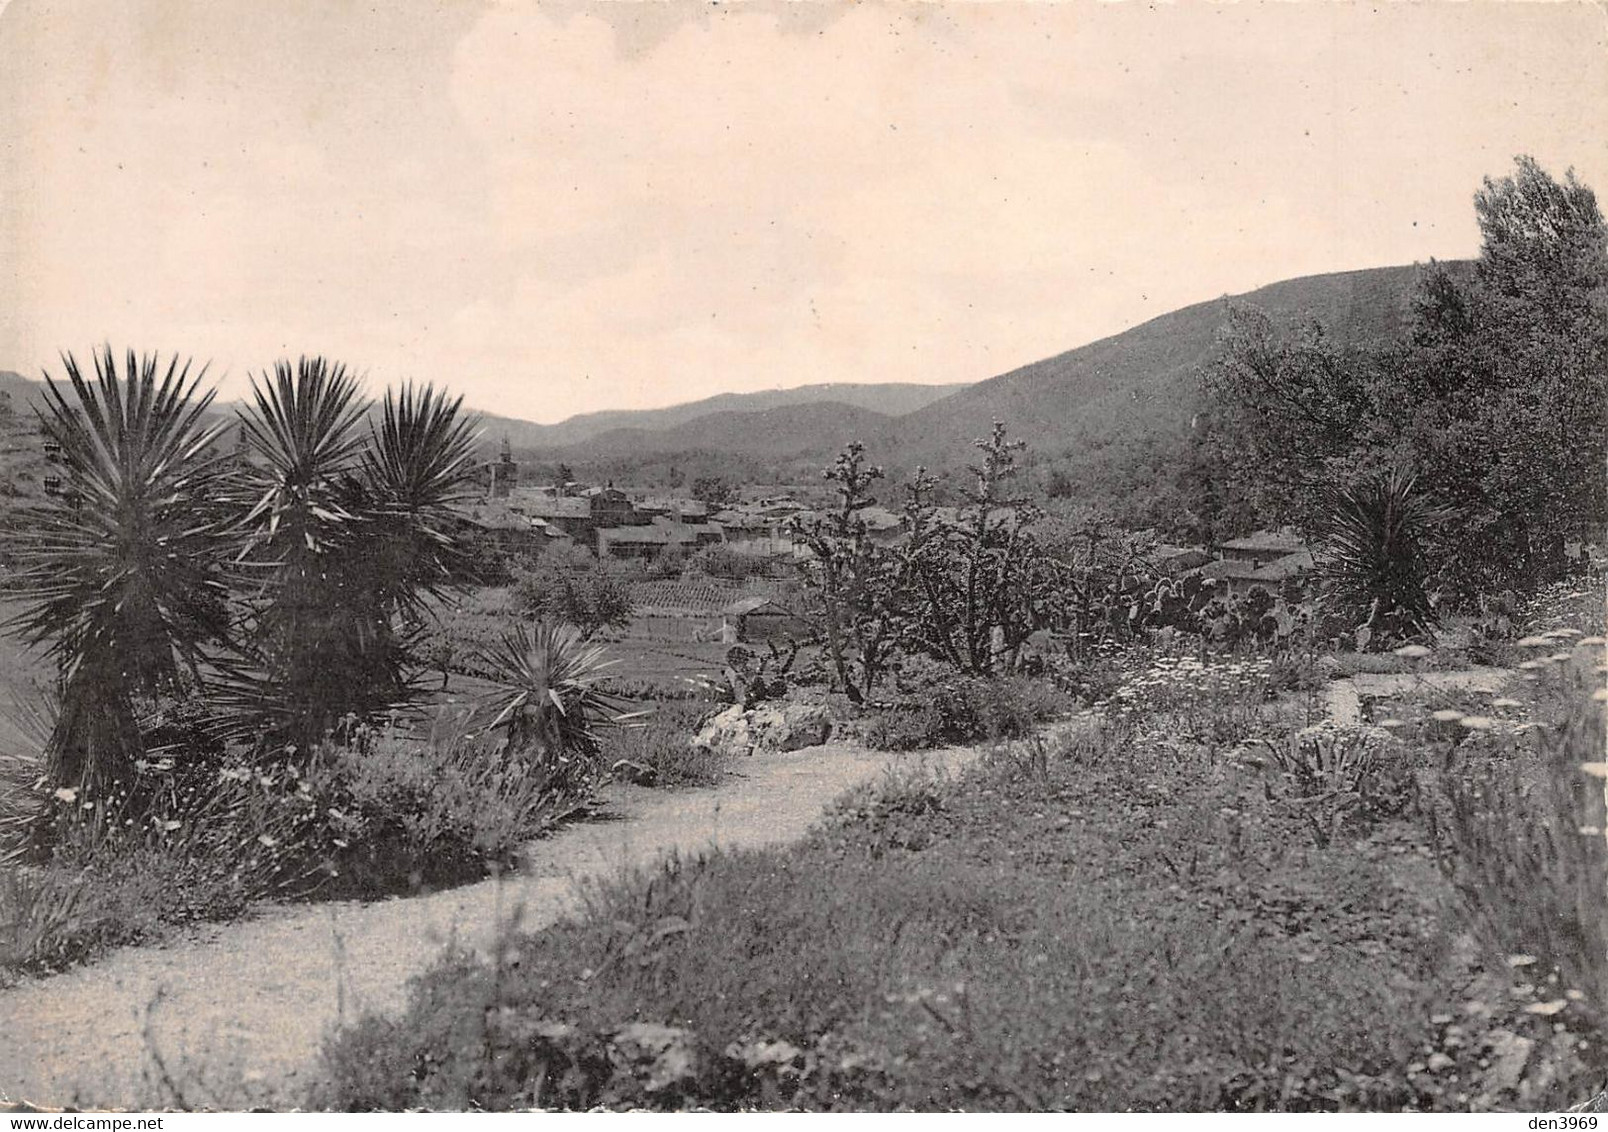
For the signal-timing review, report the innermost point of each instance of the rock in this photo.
(656, 1057)
(781, 726)
(807, 725)
(727, 733)
(1510, 1054)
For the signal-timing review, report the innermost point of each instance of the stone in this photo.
(779, 726)
(1510, 1054)
(658, 1057)
(807, 725)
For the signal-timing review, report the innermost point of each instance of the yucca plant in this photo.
(317, 644)
(121, 572)
(348, 531)
(547, 702)
(1371, 559)
(417, 469)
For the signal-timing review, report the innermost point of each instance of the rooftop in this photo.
(1285, 540)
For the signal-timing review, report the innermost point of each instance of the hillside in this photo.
(780, 432)
(887, 399)
(19, 389)
(1138, 382)
(1110, 421)
(22, 452)
(1109, 416)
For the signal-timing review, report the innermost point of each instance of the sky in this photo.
(555, 208)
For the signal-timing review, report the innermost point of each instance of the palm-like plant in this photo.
(349, 531)
(1371, 556)
(548, 701)
(121, 571)
(315, 649)
(417, 468)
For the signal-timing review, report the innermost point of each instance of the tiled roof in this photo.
(564, 507)
(1287, 567)
(1286, 541)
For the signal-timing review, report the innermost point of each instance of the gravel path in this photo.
(236, 1013)
(1346, 698)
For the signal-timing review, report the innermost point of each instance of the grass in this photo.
(389, 815)
(656, 750)
(1189, 900)
(1109, 926)
(972, 946)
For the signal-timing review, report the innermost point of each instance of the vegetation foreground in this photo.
(1150, 908)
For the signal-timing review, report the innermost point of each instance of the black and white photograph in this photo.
(803, 556)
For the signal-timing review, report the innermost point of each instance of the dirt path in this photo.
(236, 1013)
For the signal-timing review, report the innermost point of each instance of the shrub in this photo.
(956, 708)
(592, 598)
(548, 703)
(1340, 780)
(43, 914)
(382, 813)
(1522, 838)
(917, 954)
(656, 751)
(413, 812)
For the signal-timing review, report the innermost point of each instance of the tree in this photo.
(122, 574)
(1504, 382)
(590, 597)
(1497, 396)
(849, 573)
(342, 537)
(417, 471)
(980, 585)
(312, 653)
(1282, 410)
(716, 491)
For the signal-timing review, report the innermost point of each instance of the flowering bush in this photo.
(1212, 700)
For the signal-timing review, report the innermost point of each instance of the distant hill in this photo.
(1112, 413)
(779, 432)
(1138, 381)
(888, 399)
(1112, 417)
(21, 390)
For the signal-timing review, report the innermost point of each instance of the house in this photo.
(749, 530)
(611, 507)
(1266, 559)
(1169, 559)
(760, 618)
(679, 510)
(885, 527)
(514, 532)
(1262, 547)
(649, 539)
(569, 514)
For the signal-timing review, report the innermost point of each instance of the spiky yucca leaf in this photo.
(419, 465)
(547, 700)
(1371, 555)
(120, 573)
(319, 645)
(302, 444)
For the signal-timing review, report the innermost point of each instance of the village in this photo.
(527, 519)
